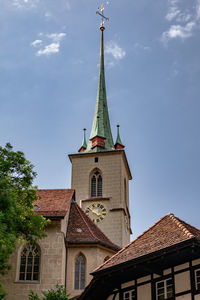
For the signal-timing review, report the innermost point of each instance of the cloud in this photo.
(24, 3)
(173, 12)
(113, 49)
(109, 64)
(47, 47)
(178, 31)
(141, 47)
(56, 37)
(184, 17)
(48, 14)
(198, 10)
(36, 43)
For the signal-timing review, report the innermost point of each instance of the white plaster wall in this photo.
(127, 284)
(182, 282)
(143, 279)
(144, 292)
(196, 262)
(181, 267)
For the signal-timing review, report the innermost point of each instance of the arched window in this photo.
(80, 264)
(29, 263)
(96, 184)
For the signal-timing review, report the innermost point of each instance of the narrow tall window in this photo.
(29, 263)
(80, 273)
(164, 289)
(96, 184)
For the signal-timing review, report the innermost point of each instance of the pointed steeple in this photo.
(118, 144)
(101, 136)
(84, 144)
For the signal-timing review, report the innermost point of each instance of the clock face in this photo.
(97, 212)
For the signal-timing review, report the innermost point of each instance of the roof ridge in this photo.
(181, 225)
(130, 243)
(78, 209)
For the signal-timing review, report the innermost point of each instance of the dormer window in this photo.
(96, 184)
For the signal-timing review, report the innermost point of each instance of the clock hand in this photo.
(91, 209)
(94, 212)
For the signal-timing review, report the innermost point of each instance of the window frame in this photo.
(30, 248)
(164, 281)
(96, 184)
(197, 277)
(129, 294)
(78, 284)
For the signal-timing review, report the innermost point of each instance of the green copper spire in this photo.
(118, 144)
(118, 140)
(101, 123)
(84, 143)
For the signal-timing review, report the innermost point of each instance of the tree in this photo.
(17, 218)
(59, 294)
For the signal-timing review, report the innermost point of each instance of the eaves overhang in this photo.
(95, 243)
(156, 255)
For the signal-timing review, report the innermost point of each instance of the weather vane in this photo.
(100, 12)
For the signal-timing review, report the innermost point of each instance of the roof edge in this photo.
(106, 245)
(151, 255)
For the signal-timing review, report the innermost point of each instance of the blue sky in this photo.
(49, 58)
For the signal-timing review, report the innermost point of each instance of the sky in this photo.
(49, 64)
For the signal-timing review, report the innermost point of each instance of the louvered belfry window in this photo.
(96, 184)
(29, 263)
(80, 273)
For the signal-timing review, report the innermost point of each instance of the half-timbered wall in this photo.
(181, 280)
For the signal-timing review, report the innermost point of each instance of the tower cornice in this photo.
(108, 152)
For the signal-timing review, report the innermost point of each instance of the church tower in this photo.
(100, 171)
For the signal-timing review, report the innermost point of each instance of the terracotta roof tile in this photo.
(82, 230)
(53, 202)
(167, 232)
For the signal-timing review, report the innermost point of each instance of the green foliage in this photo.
(59, 294)
(2, 292)
(17, 218)
(33, 296)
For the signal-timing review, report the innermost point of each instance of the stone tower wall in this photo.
(114, 173)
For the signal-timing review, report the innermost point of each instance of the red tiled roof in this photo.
(53, 203)
(167, 232)
(82, 230)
